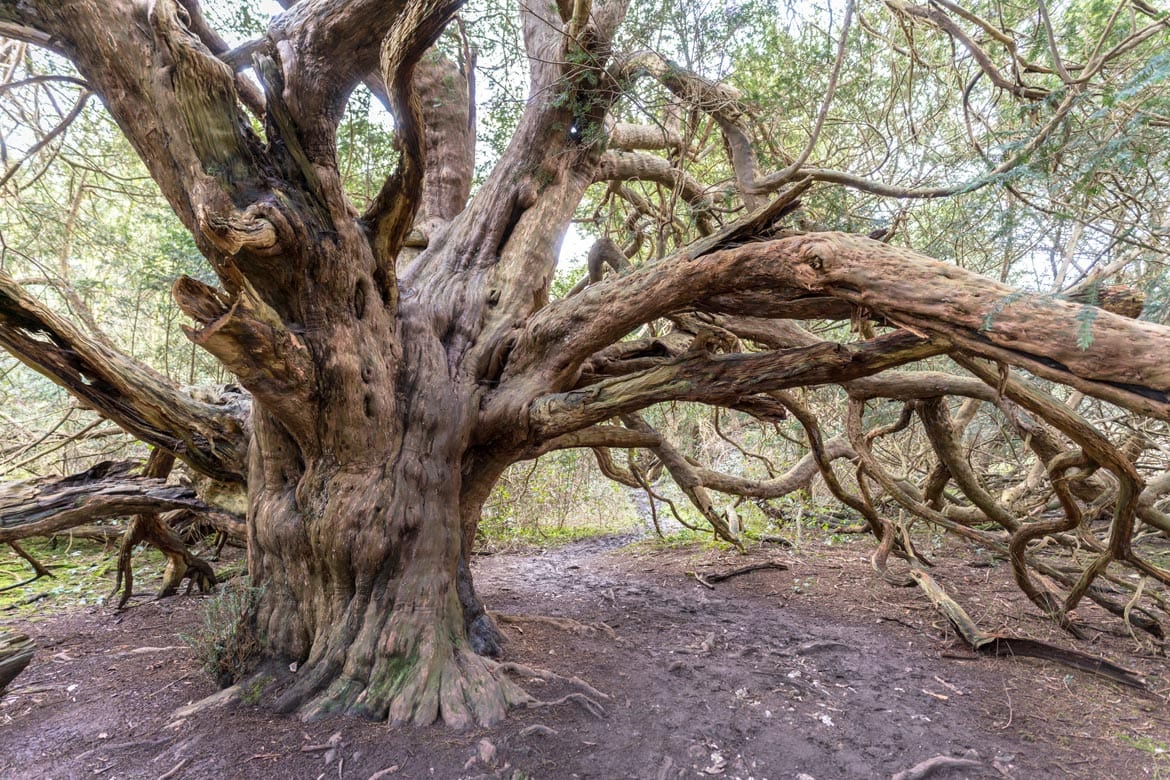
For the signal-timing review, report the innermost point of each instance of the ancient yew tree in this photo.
(399, 352)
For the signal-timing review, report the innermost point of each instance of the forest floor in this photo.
(818, 671)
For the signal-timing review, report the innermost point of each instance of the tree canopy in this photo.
(949, 219)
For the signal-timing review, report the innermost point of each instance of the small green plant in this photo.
(226, 641)
(1147, 745)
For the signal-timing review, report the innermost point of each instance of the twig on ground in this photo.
(384, 772)
(932, 765)
(333, 742)
(707, 580)
(174, 771)
(746, 570)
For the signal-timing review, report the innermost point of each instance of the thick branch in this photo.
(723, 379)
(626, 166)
(720, 102)
(629, 137)
(440, 174)
(796, 478)
(1106, 355)
(393, 211)
(250, 339)
(598, 436)
(251, 96)
(209, 437)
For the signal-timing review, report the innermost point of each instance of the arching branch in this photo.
(627, 166)
(1103, 354)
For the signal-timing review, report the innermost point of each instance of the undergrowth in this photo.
(225, 641)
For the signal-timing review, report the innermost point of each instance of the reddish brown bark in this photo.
(390, 389)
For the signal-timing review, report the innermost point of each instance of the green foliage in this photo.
(226, 642)
(555, 500)
(1085, 318)
(252, 693)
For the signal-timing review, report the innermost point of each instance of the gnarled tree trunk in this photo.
(359, 550)
(398, 365)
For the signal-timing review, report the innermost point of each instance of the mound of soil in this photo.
(818, 671)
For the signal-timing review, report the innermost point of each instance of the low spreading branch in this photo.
(41, 507)
(723, 379)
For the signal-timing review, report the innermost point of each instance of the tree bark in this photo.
(359, 561)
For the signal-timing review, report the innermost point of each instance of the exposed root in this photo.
(588, 700)
(563, 624)
(212, 702)
(456, 686)
(589, 705)
(928, 767)
(174, 771)
(994, 644)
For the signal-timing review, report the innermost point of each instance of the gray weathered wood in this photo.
(16, 650)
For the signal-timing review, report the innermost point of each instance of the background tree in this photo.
(401, 347)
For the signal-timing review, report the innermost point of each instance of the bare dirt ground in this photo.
(819, 671)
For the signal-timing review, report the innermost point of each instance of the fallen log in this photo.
(16, 650)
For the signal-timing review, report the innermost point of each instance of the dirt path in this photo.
(764, 676)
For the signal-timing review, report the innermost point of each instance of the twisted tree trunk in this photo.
(359, 552)
(397, 363)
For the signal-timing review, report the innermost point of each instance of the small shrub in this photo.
(226, 642)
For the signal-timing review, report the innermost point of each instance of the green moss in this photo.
(254, 690)
(1149, 745)
(83, 575)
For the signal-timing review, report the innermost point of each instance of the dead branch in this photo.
(16, 651)
(43, 506)
(720, 577)
(993, 644)
(926, 768)
(209, 436)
